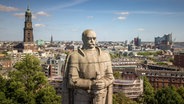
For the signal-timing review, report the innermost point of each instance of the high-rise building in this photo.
(137, 41)
(52, 67)
(51, 40)
(164, 43)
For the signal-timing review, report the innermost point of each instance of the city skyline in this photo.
(118, 20)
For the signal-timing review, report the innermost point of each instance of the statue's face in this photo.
(89, 40)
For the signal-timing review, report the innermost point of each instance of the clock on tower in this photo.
(28, 25)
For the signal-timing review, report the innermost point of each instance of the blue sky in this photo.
(113, 20)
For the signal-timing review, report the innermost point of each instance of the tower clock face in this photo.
(28, 24)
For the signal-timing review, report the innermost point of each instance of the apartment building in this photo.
(130, 84)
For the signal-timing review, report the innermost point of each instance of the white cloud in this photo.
(121, 18)
(122, 13)
(22, 15)
(7, 8)
(140, 29)
(39, 25)
(90, 17)
(34, 16)
(67, 4)
(42, 13)
(19, 15)
(157, 13)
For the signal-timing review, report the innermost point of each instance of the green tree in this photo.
(117, 75)
(3, 90)
(168, 95)
(147, 53)
(159, 53)
(114, 55)
(180, 91)
(148, 95)
(5, 52)
(171, 60)
(131, 54)
(28, 84)
(120, 98)
(125, 54)
(161, 63)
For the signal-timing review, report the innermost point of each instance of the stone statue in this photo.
(88, 76)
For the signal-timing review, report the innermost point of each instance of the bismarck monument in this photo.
(88, 76)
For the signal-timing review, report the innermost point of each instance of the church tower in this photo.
(28, 30)
(28, 45)
(28, 41)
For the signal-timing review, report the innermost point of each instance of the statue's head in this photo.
(89, 39)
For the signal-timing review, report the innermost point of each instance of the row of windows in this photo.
(164, 79)
(165, 74)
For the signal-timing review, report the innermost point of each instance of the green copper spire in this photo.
(28, 6)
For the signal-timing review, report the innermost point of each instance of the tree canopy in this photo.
(168, 95)
(149, 93)
(28, 85)
(120, 98)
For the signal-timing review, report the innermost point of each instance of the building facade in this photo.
(164, 43)
(130, 84)
(163, 78)
(159, 77)
(52, 67)
(137, 41)
(179, 60)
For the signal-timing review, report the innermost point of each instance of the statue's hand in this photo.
(98, 84)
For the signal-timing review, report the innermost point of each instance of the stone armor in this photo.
(81, 69)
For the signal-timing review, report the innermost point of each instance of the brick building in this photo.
(179, 59)
(158, 76)
(163, 78)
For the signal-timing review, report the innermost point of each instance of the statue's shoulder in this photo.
(72, 54)
(76, 54)
(72, 57)
(104, 54)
